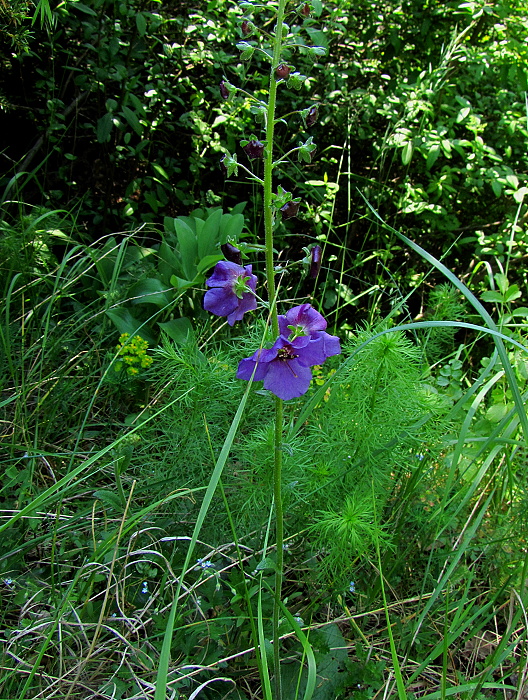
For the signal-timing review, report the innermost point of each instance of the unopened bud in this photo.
(305, 10)
(315, 264)
(289, 209)
(246, 27)
(282, 70)
(254, 149)
(312, 115)
(231, 253)
(223, 89)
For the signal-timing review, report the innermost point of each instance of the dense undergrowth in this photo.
(405, 463)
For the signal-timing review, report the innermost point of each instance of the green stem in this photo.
(272, 296)
(279, 534)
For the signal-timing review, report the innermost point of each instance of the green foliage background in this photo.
(406, 479)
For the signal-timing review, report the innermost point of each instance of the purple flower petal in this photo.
(287, 379)
(313, 353)
(220, 301)
(247, 303)
(331, 343)
(303, 316)
(229, 295)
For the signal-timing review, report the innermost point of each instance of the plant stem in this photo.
(272, 296)
(279, 535)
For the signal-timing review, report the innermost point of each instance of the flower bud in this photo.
(254, 149)
(312, 116)
(282, 70)
(315, 264)
(305, 10)
(231, 253)
(246, 27)
(289, 209)
(223, 89)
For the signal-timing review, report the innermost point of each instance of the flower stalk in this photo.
(270, 277)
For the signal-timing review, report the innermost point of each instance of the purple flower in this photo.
(305, 322)
(233, 291)
(302, 343)
(285, 367)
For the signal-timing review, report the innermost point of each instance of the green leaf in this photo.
(125, 322)
(493, 296)
(141, 24)
(433, 154)
(180, 283)
(463, 114)
(109, 498)
(208, 262)
(104, 128)
(179, 329)
(188, 247)
(407, 152)
(160, 171)
(246, 49)
(231, 226)
(151, 291)
(132, 120)
(502, 282)
(84, 8)
(512, 293)
(496, 186)
(209, 235)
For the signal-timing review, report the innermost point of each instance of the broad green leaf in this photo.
(502, 282)
(433, 154)
(496, 186)
(512, 293)
(209, 234)
(179, 329)
(133, 120)
(181, 283)
(109, 498)
(151, 291)
(231, 226)
(141, 24)
(208, 262)
(463, 114)
(492, 295)
(104, 128)
(188, 247)
(407, 152)
(125, 322)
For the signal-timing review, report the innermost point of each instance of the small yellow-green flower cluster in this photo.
(133, 354)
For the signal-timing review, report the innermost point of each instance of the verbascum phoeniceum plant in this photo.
(300, 338)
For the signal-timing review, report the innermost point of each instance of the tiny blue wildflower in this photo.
(145, 587)
(8, 581)
(352, 587)
(205, 563)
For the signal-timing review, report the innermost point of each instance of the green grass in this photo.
(408, 486)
